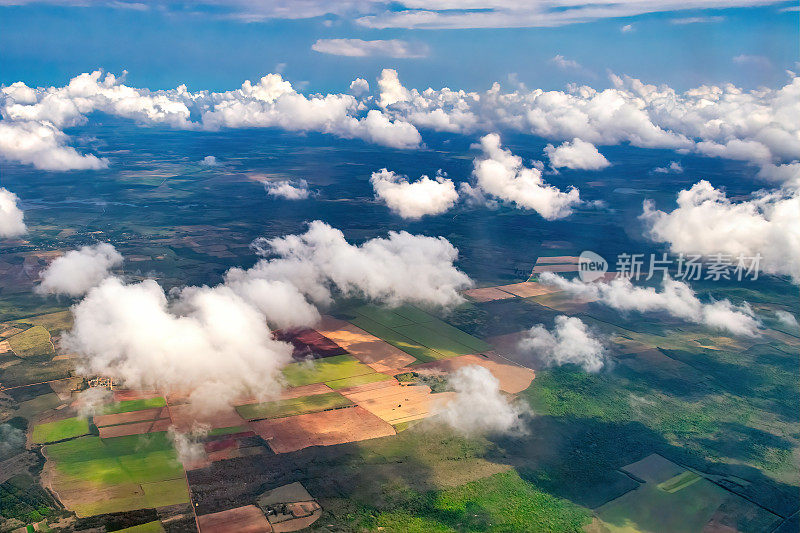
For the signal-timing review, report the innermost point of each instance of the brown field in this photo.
(305, 513)
(367, 348)
(137, 428)
(527, 289)
(325, 428)
(184, 416)
(130, 394)
(513, 378)
(247, 519)
(558, 259)
(134, 416)
(488, 294)
(393, 402)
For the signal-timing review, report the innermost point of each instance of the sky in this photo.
(216, 46)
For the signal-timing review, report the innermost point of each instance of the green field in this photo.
(416, 332)
(357, 380)
(126, 406)
(293, 406)
(60, 430)
(54, 322)
(132, 472)
(681, 481)
(650, 509)
(33, 342)
(323, 370)
(229, 430)
(149, 527)
(501, 502)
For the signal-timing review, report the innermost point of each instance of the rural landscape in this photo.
(354, 305)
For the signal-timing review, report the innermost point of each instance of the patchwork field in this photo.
(60, 430)
(33, 342)
(367, 348)
(247, 519)
(329, 369)
(396, 403)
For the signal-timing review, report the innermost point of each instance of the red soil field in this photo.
(369, 349)
(325, 428)
(247, 519)
(513, 378)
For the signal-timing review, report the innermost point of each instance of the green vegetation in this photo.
(681, 481)
(650, 509)
(149, 527)
(54, 322)
(501, 502)
(22, 498)
(126, 406)
(293, 406)
(416, 332)
(227, 431)
(357, 380)
(132, 471)
(33, 342)
(60, 430)
(323, 370)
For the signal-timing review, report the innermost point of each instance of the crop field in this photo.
(126, 406)
(60, 430)
(681, 481)
(649, 508)
(33, 342)
(324, 370)
(93, 475)
(367, 348)
(54, 322)
(293, 406)
(417, 333)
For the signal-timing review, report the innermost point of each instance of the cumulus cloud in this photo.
(209, 161)
(11, 216)
(77, 271)
(91, 401)
(416, 199)
(399, 268)
(31, 131)
(707, 222)
(578, 154)
(718, 121)
(565, 64)
(288, 189)
(676, 299)
(786, 318)
(501, 174)
(479, 406)
(214, 344)
(206, 342)
(391, 90)
(674, 167)
(359, 87)
(396, 48)
(188, 446)
(570, 341)
(627, 28)
(12, 441)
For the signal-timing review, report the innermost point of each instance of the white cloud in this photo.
(415, 199)
(399, 268)
(209, 161)
(627, 28)
(569, 342)
(565, 64)
(359, 87)
(674, 167)
(786, 318)
(391, 90)
(214, 344)
(288, 189)
(576, 155)
(207, 342)
(676, 298)
(716, 121)
(479, 406)
(79, 270)
(697, 20)
(44, 146)
(753, 60)
(707, 222)
(501, 174)
(11, 216)
(359, 48)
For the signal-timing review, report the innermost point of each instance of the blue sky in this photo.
(45, 44)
